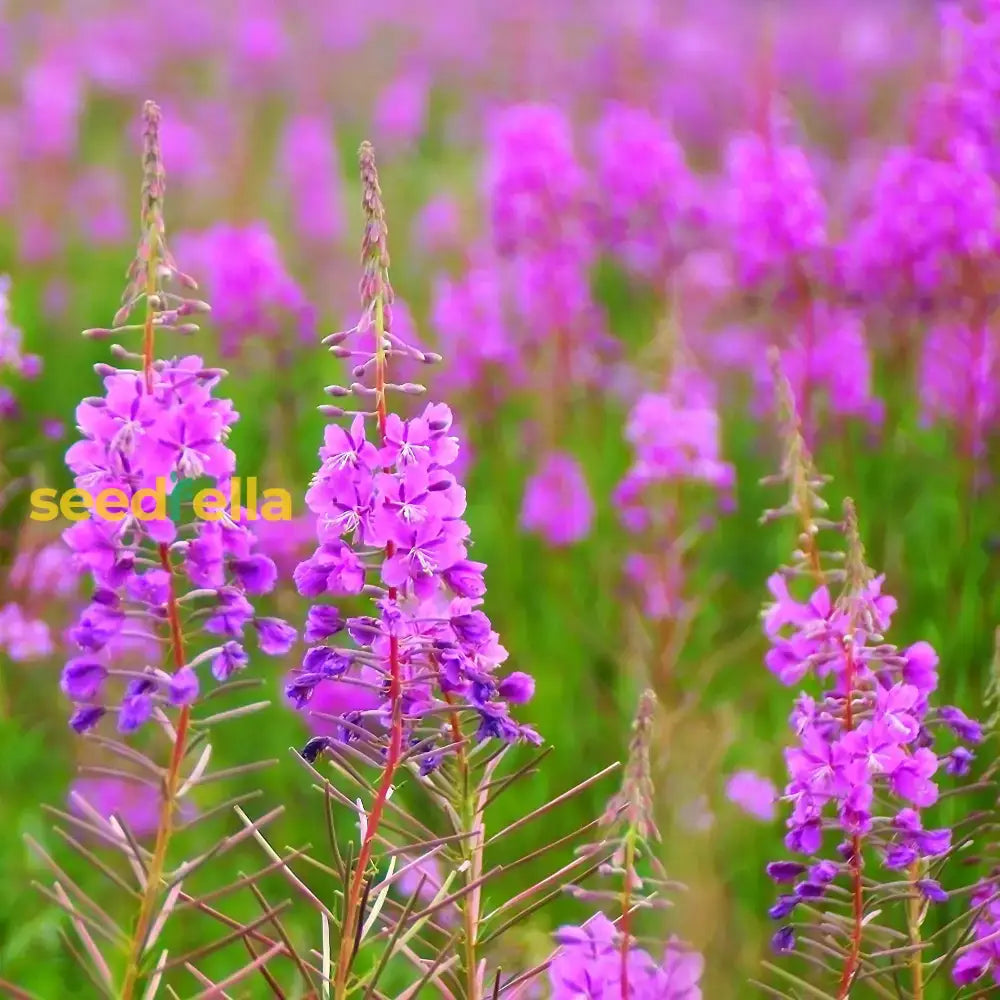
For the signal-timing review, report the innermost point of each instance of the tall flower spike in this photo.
(390, 525)
(172, 586)
(602, 958)
(865, 761)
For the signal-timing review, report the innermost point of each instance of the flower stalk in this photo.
(376, 262)
(153, 185)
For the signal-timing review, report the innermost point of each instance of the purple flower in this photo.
(783, 940)
(182, 688)
(776, 214)
(230, 615)
(784, 906)
(982, 954)
(137, 705)
(333, 569)
(149, 429)
(785, 871)
(753, 793)
(231, 658)
(133, 801)
(322, 622)
(82, 679)
(959, 761)
(960, 724)
(309, 164)
(257, 573)
(534, 183)
(465, 578)
(648, 194)
(587, 964)
(325, 661)
(276, 637)
(557, 502)
(931, 890)
(86, 717)
(253, 294)
(920, 667)
(517, 687)
(97, 626)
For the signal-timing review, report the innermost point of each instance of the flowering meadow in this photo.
(625, 381)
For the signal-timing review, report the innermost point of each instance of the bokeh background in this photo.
(588, 203)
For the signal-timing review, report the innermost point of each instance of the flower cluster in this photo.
(649, 195)
(869, 740)
(156, 426)
(535, 185)
(13, 359)
(776, 215)
(309, 164)
(931, 227)
(481, 349)
(588, 966)
(982, 954)
(252, 292)
(390, 522)
(827, 361)
(557, 504)
(133, 439)
(675, 438)
(602, 961)
(22, 637)
(959, 372)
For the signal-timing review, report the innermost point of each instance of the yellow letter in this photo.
(203, 498)
(235, 498)
(251, 507)
(75, 505)
(43, 505)
(279, 499)
(104, 500)
(159, 494)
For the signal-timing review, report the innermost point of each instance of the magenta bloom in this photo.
(754, 794)
(401, 110)
(557, 503)
(647, 192)
(534, 183)
(587, 966)
(776, 213)
(983, 956)
(437, 226)
(137, 803)
(960, 382)
(22, 637)
(933, 214)
(309, 163)
(252, 292)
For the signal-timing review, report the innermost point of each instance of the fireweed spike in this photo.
(177, 588)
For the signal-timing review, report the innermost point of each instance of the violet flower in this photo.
(253, 293)
(158, 423)
(390, 521)
(557, 503)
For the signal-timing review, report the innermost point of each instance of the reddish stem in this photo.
(171, 782)
(854, 955)
(353, 901)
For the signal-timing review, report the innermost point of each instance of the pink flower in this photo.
(753, 793)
